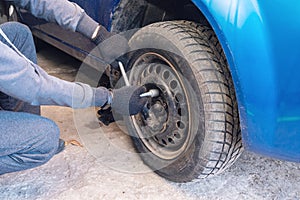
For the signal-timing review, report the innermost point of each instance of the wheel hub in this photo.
(157, 118)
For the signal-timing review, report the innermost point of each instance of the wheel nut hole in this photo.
(181, 112)
(158, 69)
(180, 125)
(166, 75)
(173, 84)
(178, 97)
(150, 69)
(171, 140)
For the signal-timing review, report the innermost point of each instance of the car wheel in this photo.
(191, 130)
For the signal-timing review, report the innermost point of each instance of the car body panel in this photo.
(261, 43)
(100, 10)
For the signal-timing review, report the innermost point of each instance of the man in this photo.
(28, 140)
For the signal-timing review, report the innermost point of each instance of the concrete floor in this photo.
(107, 171)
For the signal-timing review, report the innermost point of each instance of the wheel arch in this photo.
(242, 30)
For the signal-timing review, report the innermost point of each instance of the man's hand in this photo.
(126, 101)
(106, 116)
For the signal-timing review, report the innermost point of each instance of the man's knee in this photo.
(28, 133)
(48, 137)
(44, 147)
(28, 141)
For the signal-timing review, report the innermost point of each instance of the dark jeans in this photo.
(27, 140)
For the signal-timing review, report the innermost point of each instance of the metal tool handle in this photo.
(150, 93)
(124, 74)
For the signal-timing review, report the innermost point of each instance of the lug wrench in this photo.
(151, 93)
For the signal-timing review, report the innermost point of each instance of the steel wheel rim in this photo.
(172, 139)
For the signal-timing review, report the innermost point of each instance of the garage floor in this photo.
(78, 173)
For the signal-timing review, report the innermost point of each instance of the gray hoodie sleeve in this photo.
(67, 14)
(30, 83)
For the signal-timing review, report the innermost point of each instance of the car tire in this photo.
(195, 131)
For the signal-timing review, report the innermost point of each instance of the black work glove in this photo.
(111, 46)
(127, 101)
(106, 116)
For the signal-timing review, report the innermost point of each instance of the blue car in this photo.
(226, 72)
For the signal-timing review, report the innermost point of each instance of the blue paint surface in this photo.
(99, 10)
(261, 40)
